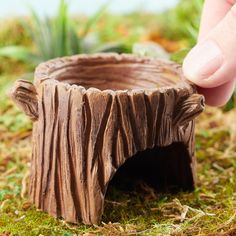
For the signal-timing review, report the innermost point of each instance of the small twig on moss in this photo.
(24, 184)
(117, 203)
(8, 172)
(184, 213)
(19, 219)
(68, 225)
(229, 221)
(218, 167)
(4, 203)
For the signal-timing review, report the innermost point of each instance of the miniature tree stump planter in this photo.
(94, 114)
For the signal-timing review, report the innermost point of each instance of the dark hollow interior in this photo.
(165, 169)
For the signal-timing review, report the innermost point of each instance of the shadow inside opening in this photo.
(165, 169)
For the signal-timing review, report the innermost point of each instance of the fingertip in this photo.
(218, 96)
(202, 62)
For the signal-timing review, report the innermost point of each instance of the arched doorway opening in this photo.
(161, 168)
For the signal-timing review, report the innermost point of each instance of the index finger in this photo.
(213, 12)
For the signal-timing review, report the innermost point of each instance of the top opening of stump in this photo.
(111, 71)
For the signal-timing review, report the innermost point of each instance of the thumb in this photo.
(212, 62)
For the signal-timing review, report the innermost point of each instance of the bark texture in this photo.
(91, 114)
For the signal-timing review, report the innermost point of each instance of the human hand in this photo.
(211, 64)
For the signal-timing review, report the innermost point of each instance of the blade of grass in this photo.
(18, 53)
(60, 24)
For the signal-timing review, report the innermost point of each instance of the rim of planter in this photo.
(148, 74)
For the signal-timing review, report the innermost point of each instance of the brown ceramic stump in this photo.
(94, 115)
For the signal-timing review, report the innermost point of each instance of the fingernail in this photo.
(203, 61)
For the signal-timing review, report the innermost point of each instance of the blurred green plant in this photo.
(56, 37)
(232, 102)
(179, 55)
(182, 22)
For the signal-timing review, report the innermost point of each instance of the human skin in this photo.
(211, 64)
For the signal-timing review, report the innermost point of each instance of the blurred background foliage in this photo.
(44, 38)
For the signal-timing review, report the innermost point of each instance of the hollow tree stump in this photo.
(91, 114)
